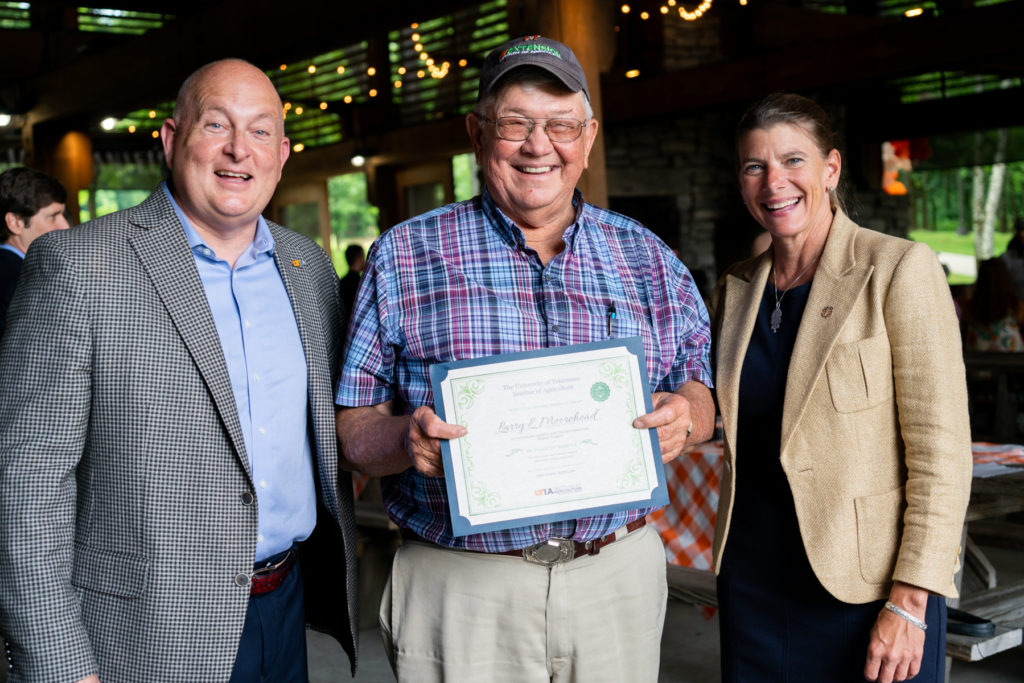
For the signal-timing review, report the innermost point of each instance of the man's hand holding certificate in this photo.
(548, 435)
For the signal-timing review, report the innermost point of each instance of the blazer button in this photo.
(242, 580)
(247, 498)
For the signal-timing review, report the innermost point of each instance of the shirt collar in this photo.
(263, 241)
(13, 250)
(512, 234)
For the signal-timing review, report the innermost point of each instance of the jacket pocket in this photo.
(860, 374)
(108, 572)
(879, 519)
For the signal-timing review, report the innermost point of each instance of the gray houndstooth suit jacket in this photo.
(122, 464)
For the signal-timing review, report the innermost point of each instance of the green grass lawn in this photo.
(949, 241)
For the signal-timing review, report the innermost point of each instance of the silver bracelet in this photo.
(904, 614)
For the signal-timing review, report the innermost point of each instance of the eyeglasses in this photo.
(519, 128)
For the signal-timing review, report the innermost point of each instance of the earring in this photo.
(828, 189)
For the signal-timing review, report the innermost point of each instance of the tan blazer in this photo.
(875, 436)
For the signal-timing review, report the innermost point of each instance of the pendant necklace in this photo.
(776, 319)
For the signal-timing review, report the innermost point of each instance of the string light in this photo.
(283, 67)
(401, 71)
(341, 69)
(415, 37)
(152, 114)
(463, 63)
(915, 12)
(156, 134)
(298, 147)
(632, 73)
(131, 129)
(371, 71)
(323, 106)
(373, 92)
(108, 123)
(298, 111)
(697, 13)
(702, 9)
(311, 68)
(348, 99)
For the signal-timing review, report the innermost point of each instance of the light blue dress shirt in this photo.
(13, 250)
(263, 350)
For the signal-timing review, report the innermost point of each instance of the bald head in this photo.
(225, 146)
(190, 94)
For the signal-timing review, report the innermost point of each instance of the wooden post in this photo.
(586, 27)
(62, 150)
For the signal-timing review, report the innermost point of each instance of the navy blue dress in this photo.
(777, 622)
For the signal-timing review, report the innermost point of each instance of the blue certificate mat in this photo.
(549, 435)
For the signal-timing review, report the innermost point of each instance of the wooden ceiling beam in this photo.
(149, 69)
(901, 47)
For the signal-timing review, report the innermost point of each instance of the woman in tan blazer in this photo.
(847, 444)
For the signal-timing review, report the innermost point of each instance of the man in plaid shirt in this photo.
(527, 265)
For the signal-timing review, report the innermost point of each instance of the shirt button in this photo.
(262, 431)
(247, 498)
(207, 252)
(259, 539)
(242, 580)
(248, 324)
(554, 328)
(263, 483)
(256, 377)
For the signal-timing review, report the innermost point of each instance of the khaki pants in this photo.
(455, 616)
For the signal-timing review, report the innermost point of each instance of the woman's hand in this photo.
(896, 645)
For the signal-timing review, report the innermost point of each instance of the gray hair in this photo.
(529, 78)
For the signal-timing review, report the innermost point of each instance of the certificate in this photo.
(549, 435)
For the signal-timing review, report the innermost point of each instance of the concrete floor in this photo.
(689, 650)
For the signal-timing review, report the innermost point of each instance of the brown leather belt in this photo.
(554, 550)
(269, 578)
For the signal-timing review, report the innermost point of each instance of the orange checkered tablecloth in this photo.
(999, 453)
(687, 523)
(359, 482)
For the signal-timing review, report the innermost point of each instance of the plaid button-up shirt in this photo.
(460, 282)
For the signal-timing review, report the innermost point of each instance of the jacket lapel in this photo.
(838, 282)
(163, 250)
(303, 296)
(741, 300)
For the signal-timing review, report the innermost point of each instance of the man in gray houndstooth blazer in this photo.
(147, 530)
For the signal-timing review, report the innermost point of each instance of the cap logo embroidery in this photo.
(526, 49)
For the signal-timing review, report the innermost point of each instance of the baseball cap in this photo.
(554, 57)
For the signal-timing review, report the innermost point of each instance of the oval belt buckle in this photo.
(550, 552)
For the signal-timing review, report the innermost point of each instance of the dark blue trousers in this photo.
(273, 645)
